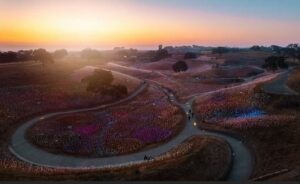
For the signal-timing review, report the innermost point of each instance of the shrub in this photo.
(275, 62)
(220, 50)
(58, 54)
(43, 56)
(90, 54)
(180, 66)
(100, 81)
(161, 54)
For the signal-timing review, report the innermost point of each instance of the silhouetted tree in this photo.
(220, 50)
(58, 54)
(25, 55)
(100, 81)
(43, 56)
(275, 62)
(180, 66)
(255, 48)
(8, 57)
(90, 54)
(277, 49)
(161, 54)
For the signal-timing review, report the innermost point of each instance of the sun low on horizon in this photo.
(143, 23)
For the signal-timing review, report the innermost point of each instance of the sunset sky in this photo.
(146, 23)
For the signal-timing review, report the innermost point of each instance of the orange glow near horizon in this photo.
(126, 24)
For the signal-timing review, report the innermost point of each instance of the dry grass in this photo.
(30, 89)
(231, 72)
(199, 159)
(245, 58)
(294, 80)
(179, 83)
(273, 138)
(146, 121)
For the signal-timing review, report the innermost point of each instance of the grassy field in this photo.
(294, 80)
(245, 58)
(146, 121)
(230, 72)
(182, 84)
(273, 136)
(29, 89)
(199, 158)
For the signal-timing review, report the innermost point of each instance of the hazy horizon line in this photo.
(148, 47)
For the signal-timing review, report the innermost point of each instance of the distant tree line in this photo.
(278, 61)
(40, 55)
(220, 50)
(90, 54)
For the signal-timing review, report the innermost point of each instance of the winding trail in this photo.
(242, 161)
(278, 86)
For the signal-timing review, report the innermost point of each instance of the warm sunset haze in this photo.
(145, 24)
(143, 90)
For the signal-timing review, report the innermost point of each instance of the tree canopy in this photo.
(43, 56)
(26, 55)
(90, 54)
(255, 48)
(220, 50)
(58, 54)
(180, 66)
(101, 82)
(161, 54)
(275, 62)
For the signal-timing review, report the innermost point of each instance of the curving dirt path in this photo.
(242, 161)
(278, 86)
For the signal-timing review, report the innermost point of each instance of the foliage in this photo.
(275, 62)
(161, 54)
(58, 54)
(255, 48)
(101, 82)
(43, 56)
(180, 66)
(277, 49)
(220, 50)
(90, 54)
(26, 55)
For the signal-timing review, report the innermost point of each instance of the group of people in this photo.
(190, 114)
